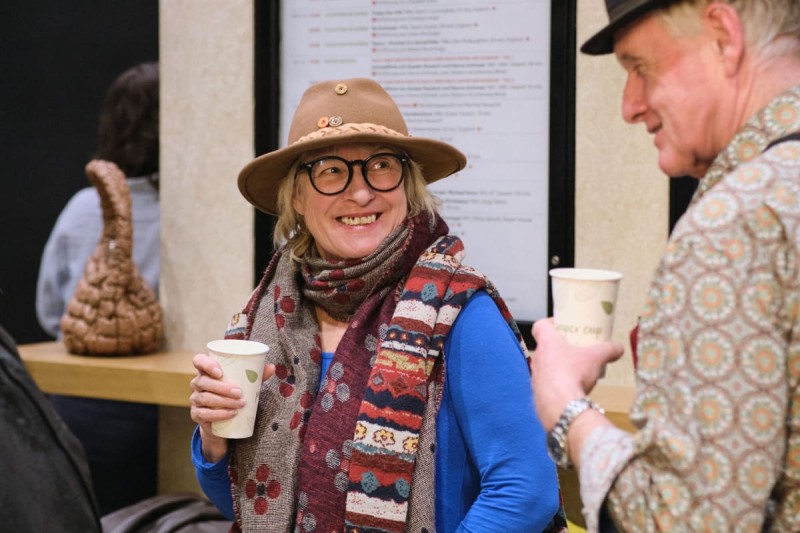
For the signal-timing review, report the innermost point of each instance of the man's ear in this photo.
(724, 26)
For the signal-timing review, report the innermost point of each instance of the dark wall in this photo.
(58, 59)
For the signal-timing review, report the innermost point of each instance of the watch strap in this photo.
(557, 437)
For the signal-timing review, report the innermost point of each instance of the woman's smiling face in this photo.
(351, 224)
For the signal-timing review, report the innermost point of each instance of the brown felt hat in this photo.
(334, 112)
(620, 13)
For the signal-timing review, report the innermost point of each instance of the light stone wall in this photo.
(622, 198)
(206, 60)
(207, 102)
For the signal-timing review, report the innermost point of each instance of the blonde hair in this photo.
(290, 229)
(771, 27)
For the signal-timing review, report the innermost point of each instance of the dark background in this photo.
(58, 59)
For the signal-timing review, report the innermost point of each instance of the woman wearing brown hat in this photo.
(398, 396)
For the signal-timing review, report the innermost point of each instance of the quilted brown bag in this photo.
(113, 310)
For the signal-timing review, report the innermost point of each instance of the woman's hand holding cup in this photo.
(220, 399)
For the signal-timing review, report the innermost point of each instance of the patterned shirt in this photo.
(717, 404)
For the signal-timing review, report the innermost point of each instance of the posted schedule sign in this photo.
(472, 73)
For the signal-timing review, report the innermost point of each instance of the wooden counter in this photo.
(160, 378)
(163, 378)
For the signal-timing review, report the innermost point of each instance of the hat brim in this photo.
(260, 179)
(602, 42)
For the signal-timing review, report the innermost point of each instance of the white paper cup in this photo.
(242, 363)
(584, 301)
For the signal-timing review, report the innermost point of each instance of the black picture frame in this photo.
(561, 211)
(267, 113)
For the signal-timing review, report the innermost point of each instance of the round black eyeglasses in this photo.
(331, 175)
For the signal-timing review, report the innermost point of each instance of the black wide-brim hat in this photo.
(620, 13)
(356, 110)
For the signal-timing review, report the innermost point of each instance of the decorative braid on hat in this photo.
(347, 129)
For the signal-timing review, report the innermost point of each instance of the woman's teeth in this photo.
(358, 221)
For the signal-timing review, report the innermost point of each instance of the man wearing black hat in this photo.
(717, 84)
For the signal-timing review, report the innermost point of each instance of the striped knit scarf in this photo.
(344, 458)
(294, 467)
(393, 410)
(390, 418)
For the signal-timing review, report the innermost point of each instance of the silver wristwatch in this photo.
(557, 437)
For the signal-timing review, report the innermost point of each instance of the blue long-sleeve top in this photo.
(492, 469)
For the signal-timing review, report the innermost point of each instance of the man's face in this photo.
(676, 87)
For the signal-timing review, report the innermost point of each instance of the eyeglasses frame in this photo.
(308, 165)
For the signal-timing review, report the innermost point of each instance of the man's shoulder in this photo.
(756, 202)
(754, 182)
(775, 175)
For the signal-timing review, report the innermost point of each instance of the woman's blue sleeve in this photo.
(488, 382)
(213, 478)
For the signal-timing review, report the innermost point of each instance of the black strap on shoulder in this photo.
(7, 343)
(791, 137)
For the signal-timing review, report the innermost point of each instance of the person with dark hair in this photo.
(717, 348)
(116, 435)
(127, 133)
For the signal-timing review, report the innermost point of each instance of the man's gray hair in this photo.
(771, 27)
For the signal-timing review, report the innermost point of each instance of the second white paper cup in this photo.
(584, 301)
(242, 363)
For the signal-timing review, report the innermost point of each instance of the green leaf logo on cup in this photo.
(242, 363)
(584, 301)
